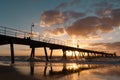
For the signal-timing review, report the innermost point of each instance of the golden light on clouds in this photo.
(119, 26)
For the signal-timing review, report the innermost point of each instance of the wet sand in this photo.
(90, 71)
(9, 73)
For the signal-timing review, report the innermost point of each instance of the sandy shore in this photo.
(10, 73)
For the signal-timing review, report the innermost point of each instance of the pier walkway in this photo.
(13, 36)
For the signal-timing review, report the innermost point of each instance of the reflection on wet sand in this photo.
(66, 68)
(8, 72)
(59, 71)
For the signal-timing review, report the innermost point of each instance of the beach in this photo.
(10, 73)
(58, 71)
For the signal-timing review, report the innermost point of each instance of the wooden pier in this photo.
(13, 36)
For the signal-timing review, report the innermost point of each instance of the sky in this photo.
(93, 24)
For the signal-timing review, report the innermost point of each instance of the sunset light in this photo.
(59, 39)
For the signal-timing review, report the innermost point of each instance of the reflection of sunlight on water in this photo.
(72, 66)
(42, 71)
(73, 53)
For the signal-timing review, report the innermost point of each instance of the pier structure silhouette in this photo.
(13, 36)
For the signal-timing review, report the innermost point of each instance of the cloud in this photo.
(56, 32)
(87, 27)
(113, 47)
(35, 34)
(74, 2)
(84, 27)
(91, 25)
(113, 14)
(55, 17)
(74, 14)
(52, 17)
(107, 25)
(116, 16)
(64, 5)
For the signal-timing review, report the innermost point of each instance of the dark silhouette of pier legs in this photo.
(51, 53)
(45, 69)
(32, 68)
(75, 55)
(88, 55)
(32, 54)
(46, 54)
(12, 53)
(64, 54)
(83, 54)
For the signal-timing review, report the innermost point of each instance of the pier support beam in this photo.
(51, 53)
(32, 54)
(45, 69)
(88, 55)
(83, 54)
(32, 68)
(64, 54)
(12, 53)
(46, 55)
(75, 55)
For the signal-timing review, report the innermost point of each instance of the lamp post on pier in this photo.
(32, 30)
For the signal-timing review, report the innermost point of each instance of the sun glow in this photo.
(73, 66)
(72, 53)
(77, 43)
(75, 53)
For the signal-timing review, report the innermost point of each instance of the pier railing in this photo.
(23, 34)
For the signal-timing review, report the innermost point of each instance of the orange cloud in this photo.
(55, 32)
(52, 17)
(55, 17)
(87, 27)
(111, 47)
